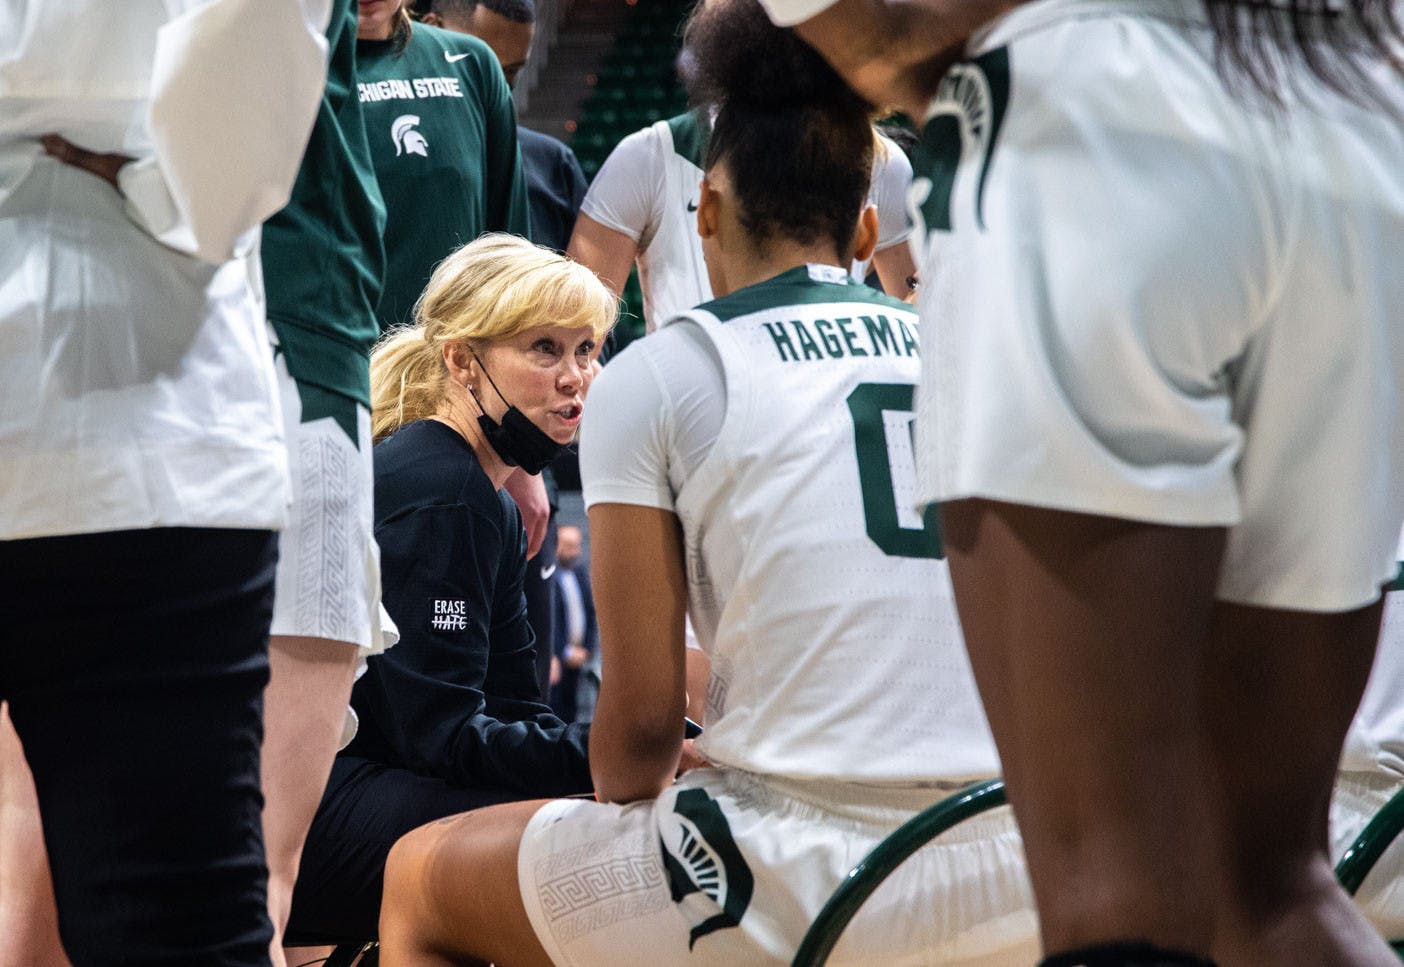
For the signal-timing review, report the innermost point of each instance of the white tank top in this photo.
(816, 590)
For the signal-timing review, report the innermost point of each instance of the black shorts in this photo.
(367, 806)
(134, 663)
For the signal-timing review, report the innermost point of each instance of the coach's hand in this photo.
(105, 166)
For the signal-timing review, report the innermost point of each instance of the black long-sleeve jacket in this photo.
(458, 697)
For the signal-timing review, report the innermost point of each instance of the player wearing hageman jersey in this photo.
(643, 206)
(752, 459)
(1163, 413)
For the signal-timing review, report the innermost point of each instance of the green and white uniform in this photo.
(322, 261)
(648, 190)
(776, 424)
(1160, 301)
(443, 137)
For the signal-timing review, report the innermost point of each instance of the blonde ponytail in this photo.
(407, 377)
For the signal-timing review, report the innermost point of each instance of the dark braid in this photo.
(1338, 41)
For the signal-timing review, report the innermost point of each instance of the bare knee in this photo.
(421, 915)
(405, 871)
(403, 908)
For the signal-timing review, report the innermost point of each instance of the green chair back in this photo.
(1362, 855)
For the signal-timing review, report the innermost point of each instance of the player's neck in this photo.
(759, 264)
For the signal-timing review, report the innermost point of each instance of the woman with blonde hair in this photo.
(492, 377)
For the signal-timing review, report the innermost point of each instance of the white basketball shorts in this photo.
(328, 581)
(725, 868)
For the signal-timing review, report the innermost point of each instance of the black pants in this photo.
(366, 808)
(134, 663)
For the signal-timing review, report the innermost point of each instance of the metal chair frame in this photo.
(819, 941)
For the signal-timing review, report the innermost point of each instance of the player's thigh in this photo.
(726, 868)
(1083, 626)
(451, 889)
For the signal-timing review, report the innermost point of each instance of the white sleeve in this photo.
(235, 87)
(624, 194)
(787, 13)
(892, 179)
(651, 418)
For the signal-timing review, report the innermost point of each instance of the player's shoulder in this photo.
(1114, 55)
(805, 285)
(542, 144)
(465, 53)
(685, 135)
(645, 147)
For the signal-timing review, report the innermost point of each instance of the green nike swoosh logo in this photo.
(692, 206)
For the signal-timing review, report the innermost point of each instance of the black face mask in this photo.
(517, 440)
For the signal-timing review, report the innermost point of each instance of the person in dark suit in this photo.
(576, 634)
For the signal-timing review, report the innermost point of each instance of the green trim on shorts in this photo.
(318, 403)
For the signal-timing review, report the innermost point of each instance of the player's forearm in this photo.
(894, 52)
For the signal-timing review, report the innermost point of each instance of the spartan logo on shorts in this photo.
(707, 875)
(963, 123)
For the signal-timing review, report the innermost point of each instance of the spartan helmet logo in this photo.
(708, 877)
(407, 139)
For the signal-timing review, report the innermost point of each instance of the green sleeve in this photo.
(507, 209)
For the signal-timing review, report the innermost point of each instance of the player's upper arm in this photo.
(624, 194)
(607, 252)
(624, 437)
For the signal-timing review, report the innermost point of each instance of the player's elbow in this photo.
(634, 759)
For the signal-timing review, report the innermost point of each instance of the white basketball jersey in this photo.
(816, 590)
(663, 162)
(1160, 300)
(672, 274)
